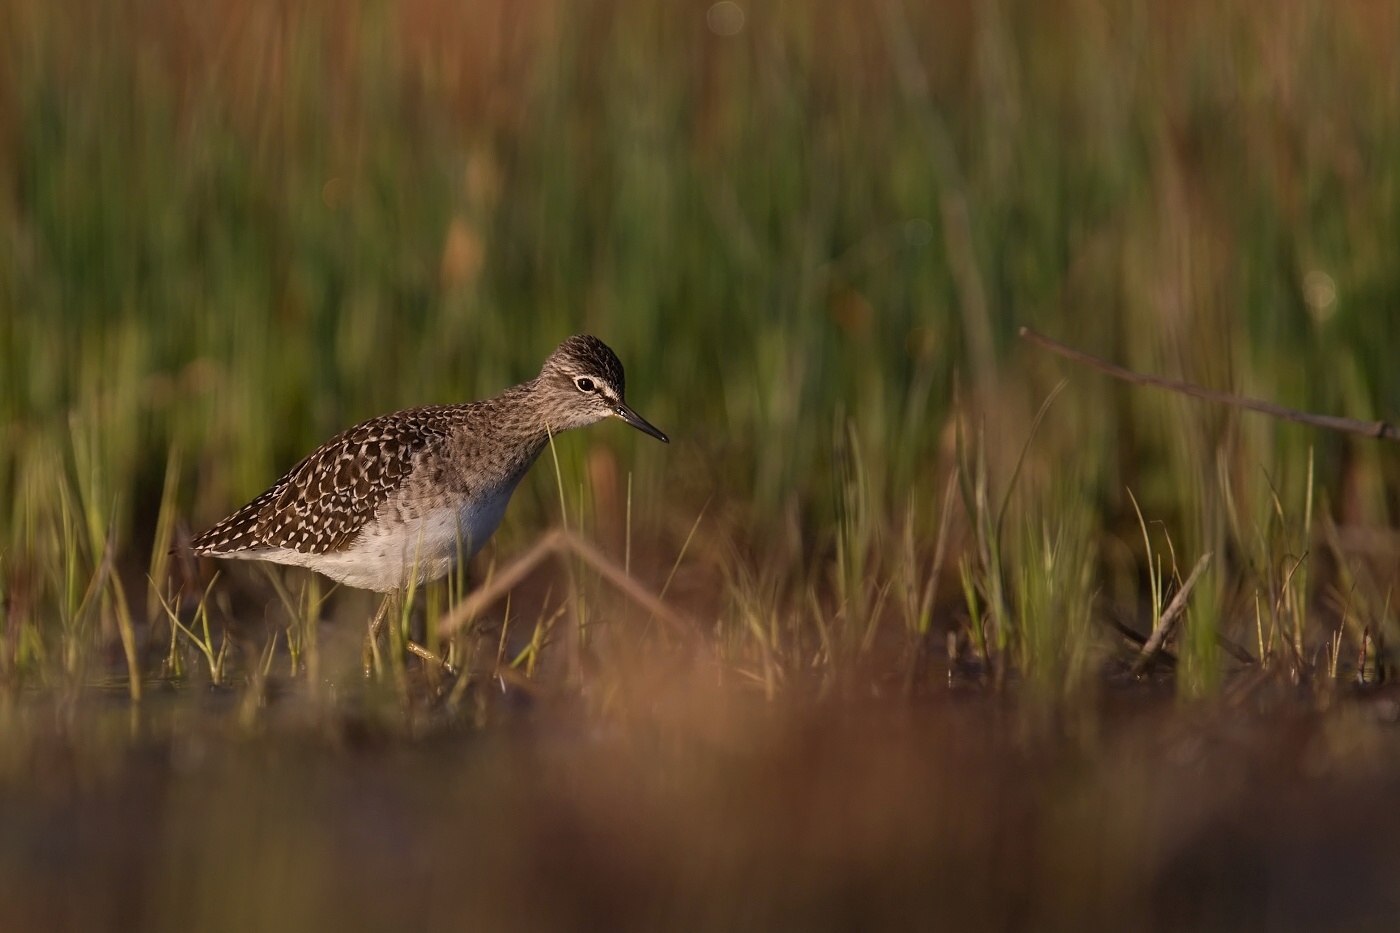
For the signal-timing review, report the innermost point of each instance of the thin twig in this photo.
(1381, 430)
(1174, 611)
(553, 544)
(1112, 620)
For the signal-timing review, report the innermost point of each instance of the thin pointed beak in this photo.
(638, 422)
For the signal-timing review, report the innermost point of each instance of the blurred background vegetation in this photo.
(810, 230)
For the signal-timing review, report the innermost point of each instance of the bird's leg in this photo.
(371, 654)
(372, 637)
(419, 651)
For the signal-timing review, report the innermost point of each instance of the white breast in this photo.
(390, 552)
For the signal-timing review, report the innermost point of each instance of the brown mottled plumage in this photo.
(405, 495)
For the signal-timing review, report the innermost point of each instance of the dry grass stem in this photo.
(555, 544)
(1167, 623)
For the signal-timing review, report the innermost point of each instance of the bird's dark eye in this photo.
(584, 384)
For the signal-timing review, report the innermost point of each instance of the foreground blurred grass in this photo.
(716, 812)
(231, 230)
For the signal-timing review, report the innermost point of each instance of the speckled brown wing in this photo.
(327, 498)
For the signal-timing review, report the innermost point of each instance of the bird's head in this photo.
(583, 383)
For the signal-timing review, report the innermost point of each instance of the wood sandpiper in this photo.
(401, 498)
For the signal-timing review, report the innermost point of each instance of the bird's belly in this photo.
(408, 542)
